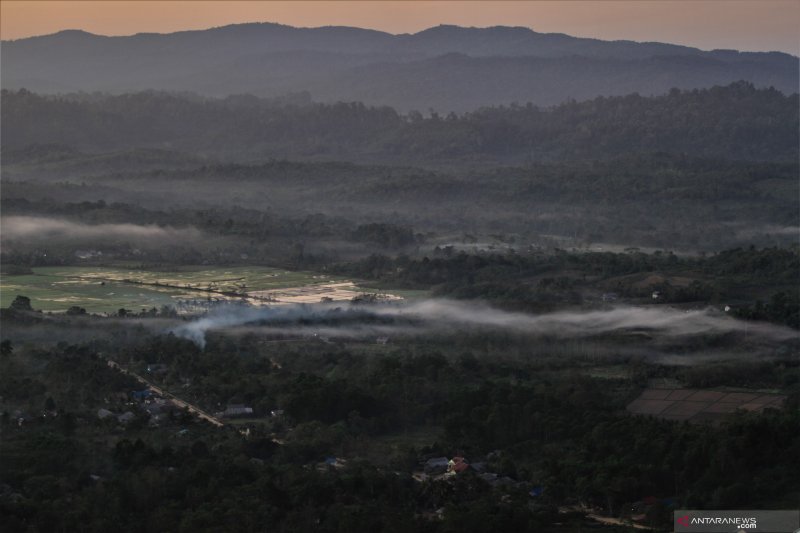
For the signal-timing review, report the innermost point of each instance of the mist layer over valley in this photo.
(431, 316)
(589, 172)
(38, 229)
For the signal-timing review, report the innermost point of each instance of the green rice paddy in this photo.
(105, 289)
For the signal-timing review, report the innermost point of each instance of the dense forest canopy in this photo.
(358, 419)
(734, 122)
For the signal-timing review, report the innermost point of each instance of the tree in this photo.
(6, 348)
(21, 303)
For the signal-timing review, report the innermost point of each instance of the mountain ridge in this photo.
(522, 31)
(504, 64)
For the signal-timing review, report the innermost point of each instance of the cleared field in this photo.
(99, 289)
(190, 277)
(698, 405)
(315, 293)
(50, 292)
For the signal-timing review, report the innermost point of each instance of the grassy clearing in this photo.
(56, 293)
(255, 278)
(107, 289)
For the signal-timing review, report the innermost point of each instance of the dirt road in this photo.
(200, 413)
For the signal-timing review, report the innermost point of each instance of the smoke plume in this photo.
(433, 315)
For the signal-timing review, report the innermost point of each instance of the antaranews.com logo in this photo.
(737, 521)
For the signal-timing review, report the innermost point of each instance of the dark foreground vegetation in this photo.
(339, 434)
(340, 431)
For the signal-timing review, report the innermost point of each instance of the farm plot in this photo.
(57, 293)
(315, 293)
(100, 289)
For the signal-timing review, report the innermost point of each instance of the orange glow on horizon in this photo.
(740, 24)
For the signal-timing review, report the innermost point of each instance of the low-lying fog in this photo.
(361, 321)
(55, 229)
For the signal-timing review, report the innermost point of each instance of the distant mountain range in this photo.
(447, 68)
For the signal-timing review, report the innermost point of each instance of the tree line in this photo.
(737, 121)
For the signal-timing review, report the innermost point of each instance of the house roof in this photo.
(460, 467)
(126, 416)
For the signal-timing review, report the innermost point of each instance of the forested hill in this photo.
(448, 68)
(737, 122)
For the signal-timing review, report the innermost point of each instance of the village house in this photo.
(436, 465)
(141, 395)
(158, 406)
(235, 410)
(457, 465)
(157, 368)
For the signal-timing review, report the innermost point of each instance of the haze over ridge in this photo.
(765, 25)
(448, 68)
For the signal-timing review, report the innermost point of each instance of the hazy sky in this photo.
(743, 25)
